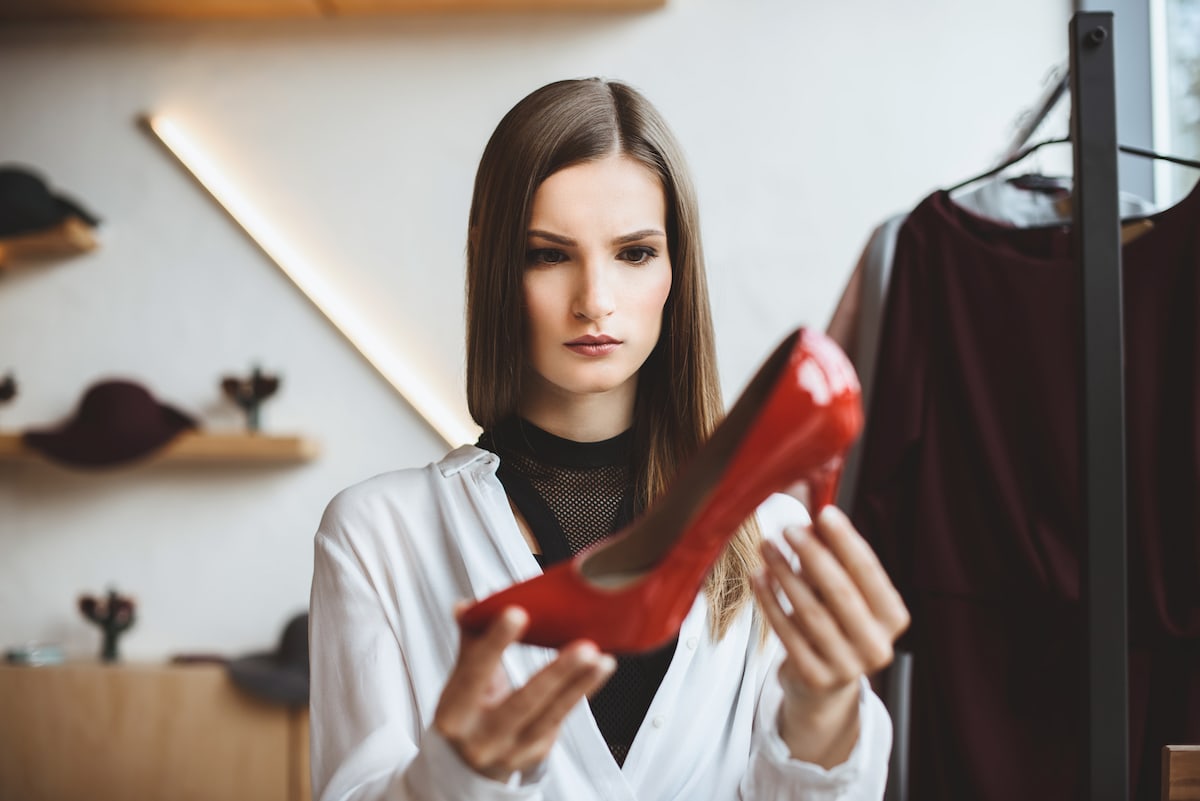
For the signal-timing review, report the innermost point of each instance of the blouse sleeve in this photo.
(774, 776)
(366, 743)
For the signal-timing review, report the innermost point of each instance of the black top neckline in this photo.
(573, 495)
(518, 434)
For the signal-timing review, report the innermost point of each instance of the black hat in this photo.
(279, 676)
(116, 422)
(27, 204)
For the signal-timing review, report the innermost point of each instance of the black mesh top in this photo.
(574, 494)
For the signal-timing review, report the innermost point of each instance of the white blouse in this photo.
(394, 553)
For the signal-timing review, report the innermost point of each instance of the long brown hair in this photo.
(678, 393)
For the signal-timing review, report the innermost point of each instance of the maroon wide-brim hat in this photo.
(116, 422)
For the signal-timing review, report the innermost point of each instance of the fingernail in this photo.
(607, 664)
(795, 534)
(515, 616)
(831, 516)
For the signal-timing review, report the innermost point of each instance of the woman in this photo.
(591, 370)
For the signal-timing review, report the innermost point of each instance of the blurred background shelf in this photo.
(245, 9)
(203, 448)
(70, 237)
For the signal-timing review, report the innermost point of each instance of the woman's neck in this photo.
(592, 418)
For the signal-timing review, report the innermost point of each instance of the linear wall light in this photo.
(312, 282)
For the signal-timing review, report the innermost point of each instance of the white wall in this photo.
(806, 124)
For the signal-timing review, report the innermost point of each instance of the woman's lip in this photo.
(593, 348)
(595, 339)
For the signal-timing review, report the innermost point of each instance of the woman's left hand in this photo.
(845, 615)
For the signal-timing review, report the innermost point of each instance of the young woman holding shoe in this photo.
(591, 370)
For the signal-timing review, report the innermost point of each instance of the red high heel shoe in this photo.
(630, 592)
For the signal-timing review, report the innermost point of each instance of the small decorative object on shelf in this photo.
(34, 654)
(114, 615)
(249, 393)
(8, 388)
(120, 423)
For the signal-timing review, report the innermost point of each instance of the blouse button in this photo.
(658, 722)
(692, 643)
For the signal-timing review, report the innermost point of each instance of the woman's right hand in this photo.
(497, 730)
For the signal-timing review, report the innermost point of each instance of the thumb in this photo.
(479, 654)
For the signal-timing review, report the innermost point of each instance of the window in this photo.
(1175, 54)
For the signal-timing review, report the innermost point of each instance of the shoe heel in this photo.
(822, 487)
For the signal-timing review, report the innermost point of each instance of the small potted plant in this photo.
(249, 392)
(114, 615)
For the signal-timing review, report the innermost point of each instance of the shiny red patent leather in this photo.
(631, 592)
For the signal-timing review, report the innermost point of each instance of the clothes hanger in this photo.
(1058, 86)
(1022, 154)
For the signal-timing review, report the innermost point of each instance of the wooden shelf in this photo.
(342, 8)
(68, 238)
(193, 447)
(243, 9)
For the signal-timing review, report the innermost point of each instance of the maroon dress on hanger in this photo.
(971, 491)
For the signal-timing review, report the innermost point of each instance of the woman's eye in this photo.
(545, 256)
(638, 255)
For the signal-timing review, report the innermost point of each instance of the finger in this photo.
(582, 683)
(532, 701)
(806, 662)
(479, 656)
(499, 730)
(864, 567)
(871, 639)
(535, 742)
(811, 615)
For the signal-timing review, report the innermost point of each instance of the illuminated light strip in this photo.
(311, 281)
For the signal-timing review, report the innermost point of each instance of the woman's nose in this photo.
(594, 299)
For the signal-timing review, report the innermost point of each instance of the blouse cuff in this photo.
(776, 767)
(438, 773)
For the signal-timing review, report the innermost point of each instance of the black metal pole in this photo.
(1097, 242)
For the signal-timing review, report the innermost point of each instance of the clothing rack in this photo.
(1097, 247)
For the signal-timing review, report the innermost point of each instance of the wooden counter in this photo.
(145, 731)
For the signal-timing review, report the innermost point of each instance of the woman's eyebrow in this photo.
(558, 239)
(549, 237)
(645, 233)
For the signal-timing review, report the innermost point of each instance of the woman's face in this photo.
(597, 277)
